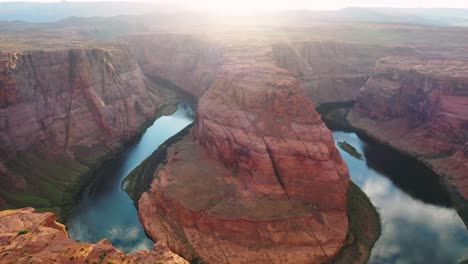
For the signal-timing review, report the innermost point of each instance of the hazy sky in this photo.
(295, 4)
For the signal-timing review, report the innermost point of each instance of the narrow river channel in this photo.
(104, 209)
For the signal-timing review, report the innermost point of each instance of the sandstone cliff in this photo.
(420, 107)
(189, 62)
(258, 180)
(61, 112)
(332, 71)
(30, 237)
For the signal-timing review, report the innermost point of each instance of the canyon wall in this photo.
(258, 180)
(421, 108)
(332, 71)
(61, 113)
(189, 62)
(30, 237)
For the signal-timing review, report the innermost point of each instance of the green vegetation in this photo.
(23, 232)
(350, 150)
(364, 229)
(52, 184)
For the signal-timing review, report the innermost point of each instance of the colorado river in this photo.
(104, 209)
(418, 223)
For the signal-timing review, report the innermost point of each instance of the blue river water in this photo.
(104, 209)
(418, 223)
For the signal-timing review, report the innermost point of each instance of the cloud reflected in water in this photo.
(412, 231)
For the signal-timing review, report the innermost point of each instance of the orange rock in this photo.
(420, 107)
(69, 105)
(331, 71)
(189, 62)
(260, 179)
(29, 237)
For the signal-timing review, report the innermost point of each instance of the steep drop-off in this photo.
(30, 237)
(258, 180)
(421, 108)
(331, 71)
(61, 113)
(187, 61)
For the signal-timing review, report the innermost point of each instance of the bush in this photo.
(23, 232)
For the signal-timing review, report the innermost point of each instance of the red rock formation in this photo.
(420, 107)
(29, 237)
(190, 62)
(333, 71)
(67, 105)
(261, 182)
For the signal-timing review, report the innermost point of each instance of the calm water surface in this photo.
(418, 223)
(105, 210)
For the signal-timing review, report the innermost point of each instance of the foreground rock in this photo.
(30, 237)
(61, 113)
(258, 180)
(421, 108)
(330, 71)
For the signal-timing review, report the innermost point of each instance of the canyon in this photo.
(62, 113)
(270, 185)
(257, 178)
(420, 107)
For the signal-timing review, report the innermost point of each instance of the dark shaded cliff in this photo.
(61, 113)
(421, 107)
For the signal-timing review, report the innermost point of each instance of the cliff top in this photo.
(27, 236)
(48, 41)
(442, 68)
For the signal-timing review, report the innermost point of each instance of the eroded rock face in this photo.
(64, 110)
(333, 71)
(420, 107)
(189, 62)
(30, 237)
(258, 181)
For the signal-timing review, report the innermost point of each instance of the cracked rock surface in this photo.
(30, 237)
(258, 180)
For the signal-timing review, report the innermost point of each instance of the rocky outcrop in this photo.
(61, 112)
(30, 237)
(333, 71)
(189, 62)
(421, 108)
(259, 179)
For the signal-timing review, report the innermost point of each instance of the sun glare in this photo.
(239, 6)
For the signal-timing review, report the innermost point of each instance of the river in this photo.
(104, 209)
(419, 224)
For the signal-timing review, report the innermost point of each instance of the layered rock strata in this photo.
(420, 107)
(258, 180)
(332, 71)
(63, 111)
(30, 237)
(186, 61)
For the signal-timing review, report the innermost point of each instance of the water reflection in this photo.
(105, 210)
(417, 224)
(407, 174)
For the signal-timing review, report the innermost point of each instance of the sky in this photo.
(296, 4)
